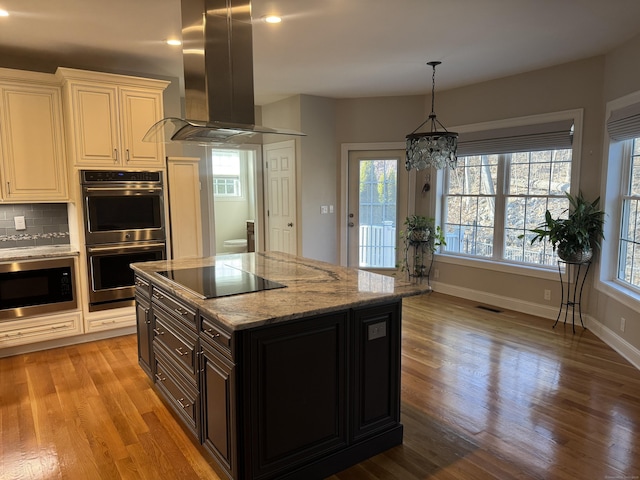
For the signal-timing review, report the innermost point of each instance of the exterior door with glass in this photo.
(377, 207)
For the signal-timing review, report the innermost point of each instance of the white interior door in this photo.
(377, 207)
(280, 192)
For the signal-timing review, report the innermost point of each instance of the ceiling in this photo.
(330, 48)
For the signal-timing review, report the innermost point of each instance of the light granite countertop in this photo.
(33, 253)
(312, 288)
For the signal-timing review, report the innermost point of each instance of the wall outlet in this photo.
(547, 294)
(20, 223)
(436, 274)
(623, 323)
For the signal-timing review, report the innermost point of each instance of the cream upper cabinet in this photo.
(108, 116)
(33, 160)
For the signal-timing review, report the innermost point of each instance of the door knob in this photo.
(289, 224)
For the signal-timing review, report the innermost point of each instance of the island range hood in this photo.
(218, 75)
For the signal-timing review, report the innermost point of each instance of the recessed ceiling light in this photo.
(272, 19)
(4, 13)
(174, 42)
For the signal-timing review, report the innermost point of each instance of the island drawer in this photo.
(175, 307)
(215, 335)
(182, 398)
(177, 343)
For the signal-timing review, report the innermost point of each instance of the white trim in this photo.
(544, 311)
(624, 348)
(619, 344)
(605, 280)
(345, 148)
(525, 270)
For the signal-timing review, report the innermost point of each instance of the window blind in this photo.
(526, 138)
(624, 123)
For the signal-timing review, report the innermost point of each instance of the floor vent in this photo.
(490, 309)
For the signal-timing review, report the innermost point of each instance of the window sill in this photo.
(546, 273)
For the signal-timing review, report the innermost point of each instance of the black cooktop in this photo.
(219, 281)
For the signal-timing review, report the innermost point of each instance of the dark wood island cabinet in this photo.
(295, 382)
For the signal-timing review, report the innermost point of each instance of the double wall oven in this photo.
(124, 224)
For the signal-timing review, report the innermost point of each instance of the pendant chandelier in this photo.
(435, 148)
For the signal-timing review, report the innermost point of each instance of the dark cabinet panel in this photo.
(143, 325)
(182, 397)
(179, 343)
(297, 392)
(219, 411)
(376, 361)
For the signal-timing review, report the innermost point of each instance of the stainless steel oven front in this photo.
(36, 287)
(122, 206)
(111, 279)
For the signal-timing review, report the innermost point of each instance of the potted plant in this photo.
(576, 236)
(420, 236)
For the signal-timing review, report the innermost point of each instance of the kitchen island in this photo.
(299, 377)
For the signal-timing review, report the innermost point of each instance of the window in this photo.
(629, 249)
(505, 181)
(227, 172)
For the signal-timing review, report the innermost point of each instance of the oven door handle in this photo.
(133, 190)
(124, 247)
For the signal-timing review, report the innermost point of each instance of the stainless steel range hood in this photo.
(218, 76)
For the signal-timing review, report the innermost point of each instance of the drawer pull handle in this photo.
(158, 296)
(212, 333)
(159, 377)
(180, 311)
(180, 352)
(157, 332)
(183, 405)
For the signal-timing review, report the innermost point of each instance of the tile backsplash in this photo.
(47, 224)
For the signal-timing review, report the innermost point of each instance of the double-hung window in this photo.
(623, 174)
(227, 173)
(505, 181)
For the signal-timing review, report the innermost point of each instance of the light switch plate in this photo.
(20, 223)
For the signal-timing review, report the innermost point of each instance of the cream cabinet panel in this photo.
(140, 110)
(38, 329)
(33, 153)
(184, 207)
(108, 115)
(95, 117)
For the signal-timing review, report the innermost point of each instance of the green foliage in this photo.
(581, 231)
(420, 235)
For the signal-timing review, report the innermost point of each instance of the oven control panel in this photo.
(91, 176)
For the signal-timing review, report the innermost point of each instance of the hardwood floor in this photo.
(484, 395)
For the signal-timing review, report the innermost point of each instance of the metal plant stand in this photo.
(419, 261)
(572, 283)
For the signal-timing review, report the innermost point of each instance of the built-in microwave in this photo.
(122, 206)
(37, 287)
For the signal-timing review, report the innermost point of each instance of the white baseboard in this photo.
(620, 345)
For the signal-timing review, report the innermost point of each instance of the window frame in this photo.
(503, 265)
(242, 178)
(614, 175)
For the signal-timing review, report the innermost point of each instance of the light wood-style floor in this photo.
(484, 395)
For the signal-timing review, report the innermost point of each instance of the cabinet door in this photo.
(297, 393)
(143, 322)
(218, 401)
(376, 369)
(33, 151)
(140, 110)
(95, 133)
